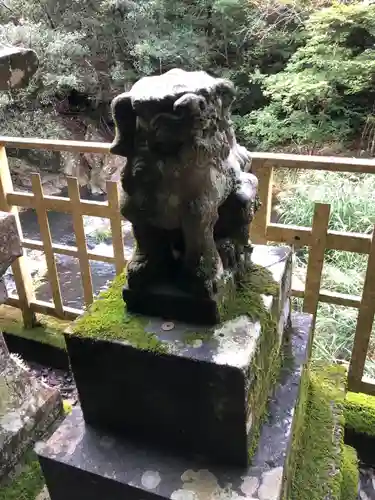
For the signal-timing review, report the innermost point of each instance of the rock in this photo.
(17, 66)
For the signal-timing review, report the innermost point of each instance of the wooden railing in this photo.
(318, 238)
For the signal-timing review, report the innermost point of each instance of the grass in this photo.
(352, 200)
(320, 451)
(102, 235)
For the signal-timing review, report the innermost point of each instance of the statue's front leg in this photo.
(202, 262)
(148, 262)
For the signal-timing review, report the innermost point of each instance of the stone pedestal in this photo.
(192, 411)
(27, 408)
(81, 462)
(203, 391)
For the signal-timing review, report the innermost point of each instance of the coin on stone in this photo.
(167, 326)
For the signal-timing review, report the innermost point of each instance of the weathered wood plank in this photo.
(79, 231)
(258, 228)
(365, 320)
(276, 160)
(59, 204)
(45, 233)
(316, 258)
(47, 308)
(116, 227)
(66, 250)
(22, 276)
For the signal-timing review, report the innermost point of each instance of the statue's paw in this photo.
(139, 271)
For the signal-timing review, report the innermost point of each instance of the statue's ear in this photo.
(226, 91)
(125, 125)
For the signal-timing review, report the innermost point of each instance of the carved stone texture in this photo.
(10, 243)
(187, 186)
(17, 66)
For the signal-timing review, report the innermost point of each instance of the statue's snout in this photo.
(193, 102)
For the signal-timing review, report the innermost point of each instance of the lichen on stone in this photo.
(359, 410)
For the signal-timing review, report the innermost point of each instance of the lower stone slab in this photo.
(83, 463)
(27, 409)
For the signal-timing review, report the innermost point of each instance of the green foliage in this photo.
(98, 48)
(327, 87)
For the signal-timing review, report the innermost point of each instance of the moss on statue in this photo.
(27, 484)
(350, 474)
(318, 472)
(359, 413)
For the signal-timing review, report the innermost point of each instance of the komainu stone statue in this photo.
(187, 190)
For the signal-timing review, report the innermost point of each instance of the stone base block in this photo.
(81, 463)
(203, 393)
(167, 301)
(27, 409)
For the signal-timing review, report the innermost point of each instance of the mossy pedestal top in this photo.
(107, 318)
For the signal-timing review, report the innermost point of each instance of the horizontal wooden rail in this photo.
(336, 240)
(336, 298)
(306, 162)
(55, 145)
(59, 204)
(47, 308)
(66, 250)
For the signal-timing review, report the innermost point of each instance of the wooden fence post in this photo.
(47, 243)
(116, 227)
(22, 276)
(316, 258)
(364, 323)
(258, 228)
(79, 231)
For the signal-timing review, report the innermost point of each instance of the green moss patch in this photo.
(108, 319)
(359, 413)
(298, 429)
(265, 367)
(318, 462)
(27, 484)
(49, 330)
(350, 474)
